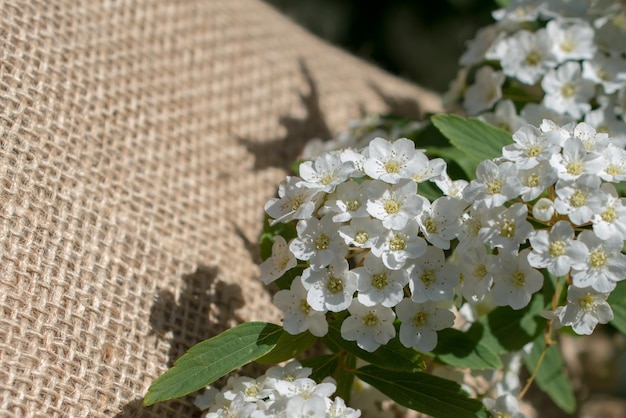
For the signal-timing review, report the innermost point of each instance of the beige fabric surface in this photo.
(139, 141)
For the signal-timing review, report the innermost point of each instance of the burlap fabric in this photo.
(139, 141)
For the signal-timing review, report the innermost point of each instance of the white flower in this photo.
(290, 371)
(525, 55)
(279, 262)
(520, 11)
(494, 185)
(440, 221)
(238, 408)
(530, 147)
(594, 142)
(506, 228)
(472, 223)
(391, 161)
(394, 205)
(295, 201)
(420, 323)
(543, 209)
(318, 241)
(505, 406)
(485, 92)
(604, 266)
(536, 179)
(515, 281)
(299, 316)
(575, 161)
(605, 70)
(331, 288)
(309, 407)
(379, 285)
(585, 309)
(399, 246)
(504, 116)
(478, 47)
(556, 250)
(338, 409)
(426, 169)
(580, 199)
(369, 326)
(611, 219)
(432, 278)
(566, 90)
(603, 119)
(571, 39)
(475, 264)
(614, 169)
(349, 201)
(449, 187)
(362, 232)
(325, 172)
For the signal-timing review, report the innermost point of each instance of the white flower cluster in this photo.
(284, 391)
(557, 59)
(371, 245)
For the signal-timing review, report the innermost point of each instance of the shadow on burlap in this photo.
(139, 141)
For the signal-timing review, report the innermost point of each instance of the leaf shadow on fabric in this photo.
(281, 152)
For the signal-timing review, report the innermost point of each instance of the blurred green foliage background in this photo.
(418, 40)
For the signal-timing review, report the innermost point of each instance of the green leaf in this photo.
(475, 138)
(551, 377)
(457, 349)
(322, 366)
(423, 392)
(211, 359)
(288, 347)
(344, 376)
(504, 329)
(391, 356)
(617, 300)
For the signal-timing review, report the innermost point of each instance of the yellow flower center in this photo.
(370, 319)
(420, 319)
(613, 170)
(379, 281)
(507, 229)
(533, 58)
(397, 243)
(305, 308)
(586, 302)
(296, 202)
(353, 205)
(534, 180)
(427, 277)
(322, 242)
(609, 215)
(431, 225)
(335, 285)
(598, 258)
(392, 206)
(480, 271)
(392, 167)
(568, 90)
(568, 46)
(326, 179)
(533, 151)
(578, 199)
(518, 278)
(494, 186)
(575, 168)
(361, 237)
(556, 248)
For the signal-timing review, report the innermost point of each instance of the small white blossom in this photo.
(536, 180)
(543, 209)
(556, 250)
(504, 116)
(566, 90)
(391, 161)
(580, 199)
(432, 278)
(505, 406)
(585, 309)
(299, 316)
(379, 285)
(394, 204)
(279, 262)
(506, 228)
(363, 232)
(325, 172)
(369, 326)
(318, 241)
(350, 201)
(530, 147)
(515, 281)
(331, 288)
(440, 222)
(399, 246)
(604, 265)
(494, 185)
(420, 323)
(607, 71)
(295, 201)
(575, 161)
(610, 220)
(525, 55)
(571, 39)
(475, 265)
(485, 92)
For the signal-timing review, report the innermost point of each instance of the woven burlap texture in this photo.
(139, 141)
